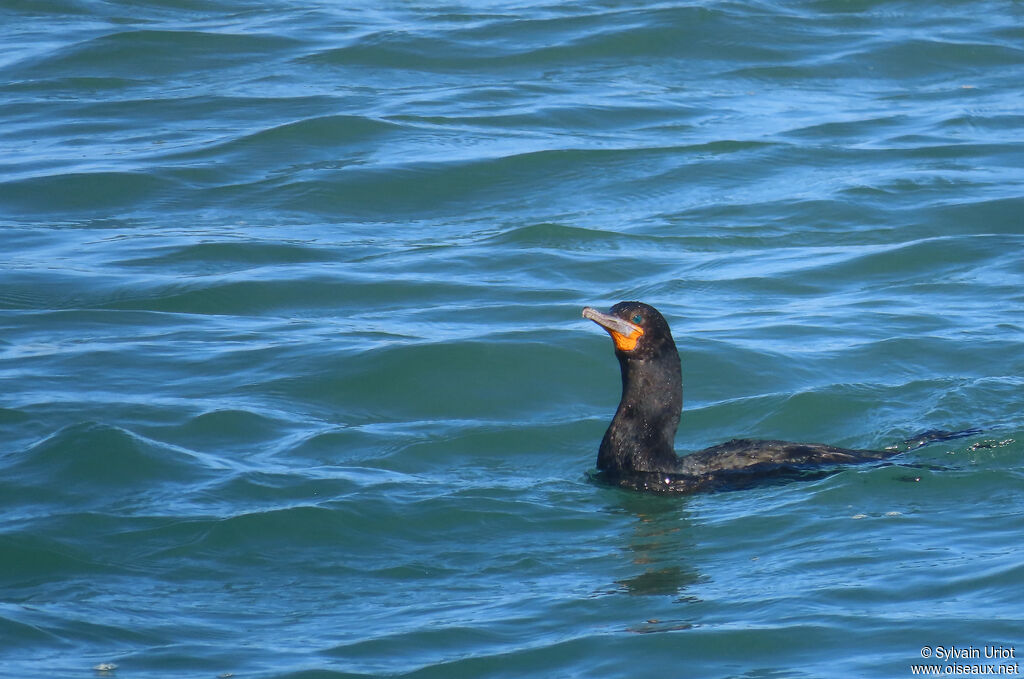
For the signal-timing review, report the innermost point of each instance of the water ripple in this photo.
(296, 383)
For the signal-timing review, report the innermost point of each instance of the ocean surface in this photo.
(295, 383)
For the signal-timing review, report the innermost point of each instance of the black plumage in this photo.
(638, 449)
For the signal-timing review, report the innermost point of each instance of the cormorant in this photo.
(638, 449)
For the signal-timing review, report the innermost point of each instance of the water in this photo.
(294, 378)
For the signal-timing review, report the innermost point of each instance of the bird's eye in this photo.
(638, 319)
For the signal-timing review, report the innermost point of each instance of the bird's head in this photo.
(638, 330)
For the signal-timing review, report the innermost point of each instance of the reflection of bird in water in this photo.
(659, 545)
(638, 449)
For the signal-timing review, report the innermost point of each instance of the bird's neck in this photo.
(641, 437)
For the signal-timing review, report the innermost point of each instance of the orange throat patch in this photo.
(626, 342)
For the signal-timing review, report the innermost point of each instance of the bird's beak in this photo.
(624, 334)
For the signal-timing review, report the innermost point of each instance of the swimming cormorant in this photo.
(638, 449)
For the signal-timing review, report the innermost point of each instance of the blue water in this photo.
(295, 382)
